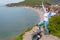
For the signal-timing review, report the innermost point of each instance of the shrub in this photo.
(54, 25)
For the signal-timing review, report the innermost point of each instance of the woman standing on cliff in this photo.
(45, 21)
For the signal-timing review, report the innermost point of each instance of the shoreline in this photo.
(35, 9)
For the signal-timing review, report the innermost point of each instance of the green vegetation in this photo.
(54, 26)
(20, 37)
(31, 3)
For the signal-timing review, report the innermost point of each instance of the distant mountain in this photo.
(54, 1)
(33, 3)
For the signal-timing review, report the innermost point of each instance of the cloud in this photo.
(9, 1)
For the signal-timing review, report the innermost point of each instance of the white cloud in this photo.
(9, 1)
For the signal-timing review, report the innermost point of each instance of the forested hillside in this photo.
(33, 3)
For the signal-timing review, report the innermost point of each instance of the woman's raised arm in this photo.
(44, 9)
(42, 4)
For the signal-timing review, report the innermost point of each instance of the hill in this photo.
(33, 3)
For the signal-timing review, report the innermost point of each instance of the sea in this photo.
(14, 20)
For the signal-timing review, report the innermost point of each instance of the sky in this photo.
(9, 1)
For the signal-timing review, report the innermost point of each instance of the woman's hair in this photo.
(48, 9)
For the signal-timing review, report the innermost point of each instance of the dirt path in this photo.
(28, 35)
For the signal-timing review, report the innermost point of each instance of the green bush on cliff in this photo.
(54, 25)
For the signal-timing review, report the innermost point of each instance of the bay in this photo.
(14, 20)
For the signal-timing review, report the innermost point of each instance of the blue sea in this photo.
(14, 20)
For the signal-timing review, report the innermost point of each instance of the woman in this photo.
(47, 15)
